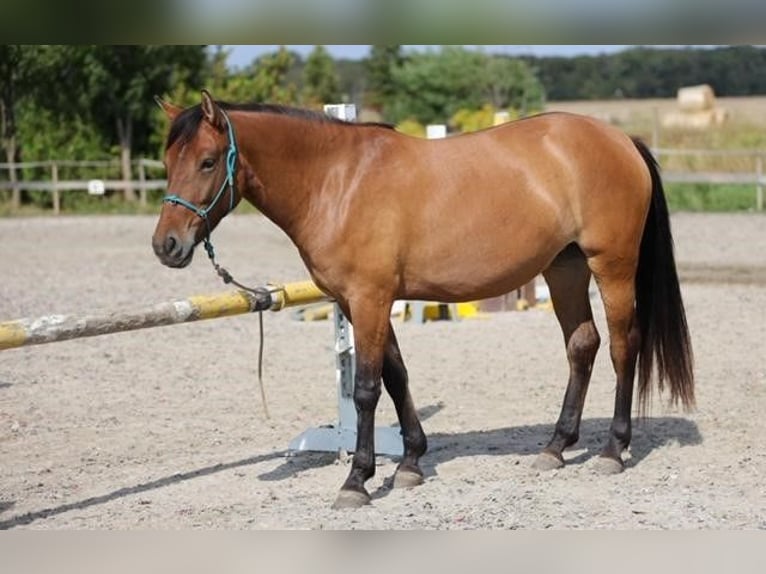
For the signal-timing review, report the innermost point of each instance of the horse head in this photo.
(201, 160)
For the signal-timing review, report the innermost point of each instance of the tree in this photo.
(270, 82)
(120, 82)
(265, 80)
(15, 79)
(380, 66)
(432, 86)
(511, 83)
(111, 88)
(320, 79)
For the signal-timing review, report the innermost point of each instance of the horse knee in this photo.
(366, 394)
(583, 344)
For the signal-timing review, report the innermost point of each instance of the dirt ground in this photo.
(164, 428)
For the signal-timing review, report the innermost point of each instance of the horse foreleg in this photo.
(370, 317)
(395, 379)
(568, 278)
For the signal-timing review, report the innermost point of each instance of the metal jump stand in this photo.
(342, 435)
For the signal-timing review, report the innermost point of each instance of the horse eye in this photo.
(207, 164)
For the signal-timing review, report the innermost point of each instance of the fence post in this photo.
(55, 184)
(142, 179)
(759, 185)
(14, 181)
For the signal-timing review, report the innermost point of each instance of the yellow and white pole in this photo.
(52, 328)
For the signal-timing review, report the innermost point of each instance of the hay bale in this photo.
(696, 98)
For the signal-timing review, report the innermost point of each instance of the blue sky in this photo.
(243, 55)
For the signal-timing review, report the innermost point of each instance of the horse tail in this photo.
(659, 307)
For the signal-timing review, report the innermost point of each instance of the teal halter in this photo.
(231, 169)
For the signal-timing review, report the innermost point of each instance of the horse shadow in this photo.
(648, 435)
(524, 440)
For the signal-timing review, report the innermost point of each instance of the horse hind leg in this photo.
(615, 277)
(568, 278)
(395, 380)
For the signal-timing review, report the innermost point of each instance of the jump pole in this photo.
(53, 328)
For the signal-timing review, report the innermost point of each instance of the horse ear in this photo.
(171, 110)
(211, 111)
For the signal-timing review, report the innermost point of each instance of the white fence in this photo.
(739, 175)
(730, 171)
(94, 185)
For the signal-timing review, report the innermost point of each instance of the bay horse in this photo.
(378, 216)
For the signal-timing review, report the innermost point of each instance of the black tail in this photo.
(660, 309)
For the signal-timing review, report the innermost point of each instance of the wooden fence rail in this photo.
(56, 186)
(94, 185)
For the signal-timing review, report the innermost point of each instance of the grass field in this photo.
(709, 197)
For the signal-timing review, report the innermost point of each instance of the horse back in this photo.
(500, 204)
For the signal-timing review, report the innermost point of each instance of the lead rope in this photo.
(227, 278)
(260, 365)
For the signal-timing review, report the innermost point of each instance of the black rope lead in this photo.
(227, 278)
(260, 365)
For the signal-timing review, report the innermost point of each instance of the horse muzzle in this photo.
(173, 251)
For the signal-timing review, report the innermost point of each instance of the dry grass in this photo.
(744, 110)
(745, 129)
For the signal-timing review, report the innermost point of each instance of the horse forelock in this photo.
(184, 126)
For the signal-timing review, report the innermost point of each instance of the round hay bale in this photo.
(696, 98)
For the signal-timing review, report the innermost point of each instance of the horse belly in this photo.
(482, 260)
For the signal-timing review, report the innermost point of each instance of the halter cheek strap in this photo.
(231, 170)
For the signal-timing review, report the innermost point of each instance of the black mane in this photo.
(186, 124)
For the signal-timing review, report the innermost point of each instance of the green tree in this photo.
(320, 78)
(11, 79)
(111, 89)
(379, 67)
(511, 83)
(432, 86)
(120, 82)
(265, 80)
(270, 83)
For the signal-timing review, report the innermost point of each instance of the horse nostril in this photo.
(170, 244)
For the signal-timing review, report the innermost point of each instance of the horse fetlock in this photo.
(416, 445)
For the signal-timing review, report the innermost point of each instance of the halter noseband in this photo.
(231, 169)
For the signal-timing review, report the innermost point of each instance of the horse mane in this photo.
(187, 122)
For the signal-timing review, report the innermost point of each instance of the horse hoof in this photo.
(351, 499)
(609, 465)
(407, 479)
(547, 461)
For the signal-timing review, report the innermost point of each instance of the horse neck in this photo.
(291, 160)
